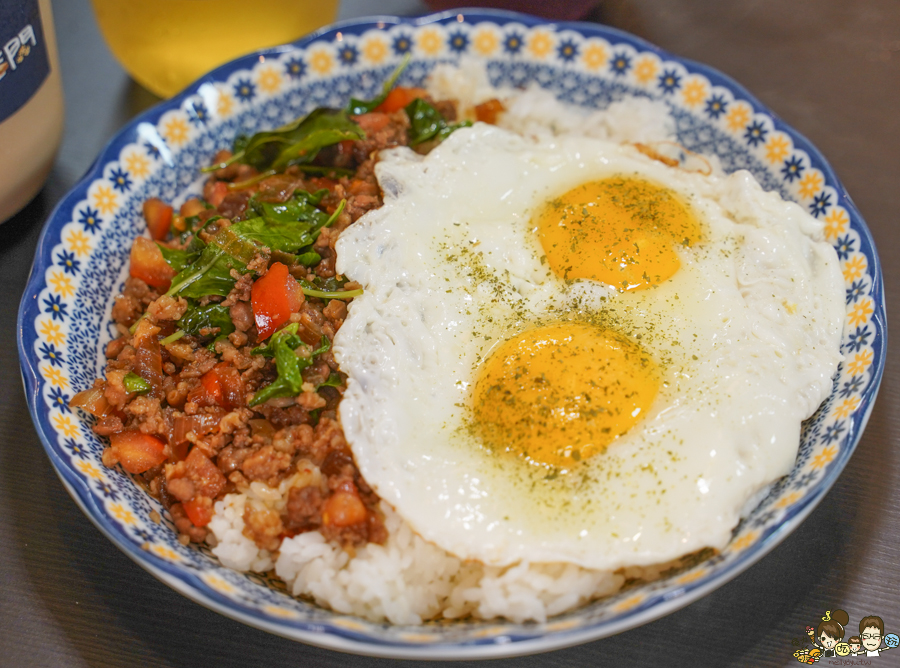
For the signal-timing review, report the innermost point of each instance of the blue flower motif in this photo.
(402, 44)
(61, 400)
(245, 90)
(348, 55)
(856, 290)
(805, 480)
(108, 491)
(295, 67)
(568, 50)
(620, 64)
(844, 247)
(833, 432)
(67, 261)
(198, 113)
(55, 307)
(716, 106)
(852, 386)
(513, 42)
(51, 354)
(669, 81)
(858, 339)
(820, 204)
(458, 41)
(76, 448)
(756, 133)
(120, 180)
(90, 218)
(793, 168)
(143, 535)
(152, 150)
(764, 518)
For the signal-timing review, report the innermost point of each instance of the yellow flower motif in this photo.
(321, 62)
(90, 470)
(854, 267)
(137, 164)
(122, 513)
(540, 43)
(63, 424)
(738, 117)
(744, 541)
(348, 624)
(418, 637)
(105, 199)
(269, 79)
(777, 148)
(785, 501)
(280, 612)
(691, 576)
(52, 332)
(861, 312)
(430, 41)
(810, 184)
(485, 42)
(645, 69)
(54, 376)
(375, 49)
(860, 362)
(628, 603)
(694, 92)
(218, 584)
(61, 283)
(225, 104)
(79, 243)
(835, 223)
(563, 625)
(595, 56)
(175, 131)
(165, 553)
(821, 459)
(846, 407)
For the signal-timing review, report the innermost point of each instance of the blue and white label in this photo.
(24, 64)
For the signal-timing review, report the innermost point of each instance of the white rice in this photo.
(408, 580)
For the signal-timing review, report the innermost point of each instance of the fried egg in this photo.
(568, 352)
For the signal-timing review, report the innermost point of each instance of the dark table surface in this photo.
(830, 68)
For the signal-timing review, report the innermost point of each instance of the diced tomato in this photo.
(207, 478)
(219, 190)
(344, 508)
(487, 112)
(148, 264)
(361, 187)
(220, 386)
(199, 510)
(158, 215)
(136, 451)
(373, 121)
(193, 207)
(274, 297)
(398, 98)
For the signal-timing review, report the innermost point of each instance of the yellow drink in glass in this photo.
(166, 44)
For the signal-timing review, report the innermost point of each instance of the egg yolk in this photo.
(621, 231)
(558, 394)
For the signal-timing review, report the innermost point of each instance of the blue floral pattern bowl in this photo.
(64, 318)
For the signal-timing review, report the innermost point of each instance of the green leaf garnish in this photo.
(135, 384)
(359, 107)
(426, 123)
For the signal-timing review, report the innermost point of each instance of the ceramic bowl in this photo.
(81, 262)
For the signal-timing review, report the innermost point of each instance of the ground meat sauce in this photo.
(190, 433)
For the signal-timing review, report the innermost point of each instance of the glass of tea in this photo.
(166, 44)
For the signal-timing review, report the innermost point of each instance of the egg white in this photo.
(746, 333)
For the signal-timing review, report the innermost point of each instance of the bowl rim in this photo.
(187, 583)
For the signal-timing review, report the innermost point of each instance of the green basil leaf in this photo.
(197, 318)
(308, 259)
(427, 123)
(176, 258)
(289, 365)
(135, 384)
(334, 380)
(298, 142)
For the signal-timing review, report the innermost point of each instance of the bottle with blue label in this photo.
(31, 101)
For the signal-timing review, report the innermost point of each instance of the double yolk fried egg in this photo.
(568, 352)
